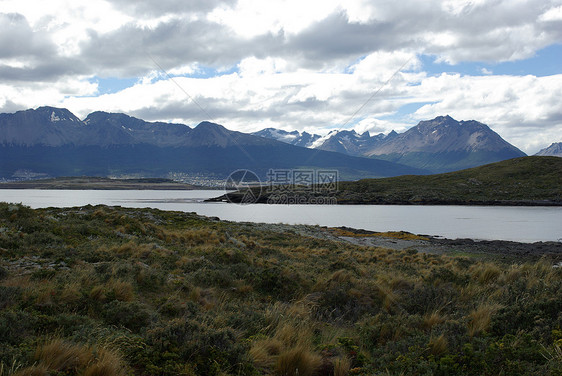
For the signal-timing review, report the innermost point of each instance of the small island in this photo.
(529, 181)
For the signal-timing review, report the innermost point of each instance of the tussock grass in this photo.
(298, 361)
(433, 319)
(57, 356)
(342, 365)
(438, 345)
(481, 317)
(485, 273)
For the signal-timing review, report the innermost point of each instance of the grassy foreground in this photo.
(113, 291)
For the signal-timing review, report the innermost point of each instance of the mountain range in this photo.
(554, 150)
(439, 145)
(50, 141)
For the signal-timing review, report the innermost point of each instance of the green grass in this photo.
(109, 290)
(527, 179)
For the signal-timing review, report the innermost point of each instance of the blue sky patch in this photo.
(546, 62)
(113, 85)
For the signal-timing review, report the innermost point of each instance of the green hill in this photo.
(519, 181)
(526, 180)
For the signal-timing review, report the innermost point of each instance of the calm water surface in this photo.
(524, 224)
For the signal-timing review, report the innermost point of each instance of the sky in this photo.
(302, 65)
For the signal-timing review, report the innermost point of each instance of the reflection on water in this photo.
(526, 224)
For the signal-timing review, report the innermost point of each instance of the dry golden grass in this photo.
(342, 365)
(70, 294)
(432, 319)
(204, 297)
(264, 352)
(39, 370)
(485, 273)
(63, 356)
(292, 334)
(193, 236)
(480, 318)
(98, 293)
(438, 345)
(298, 361)
(107, 363)
(121, 289)
(59, 357)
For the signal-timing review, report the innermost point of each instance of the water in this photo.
(523, 224)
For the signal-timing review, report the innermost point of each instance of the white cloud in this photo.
(298, 64)
(553, 14)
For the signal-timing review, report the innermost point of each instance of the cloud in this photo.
(151, 9)
(113, 38)
(284, 63)
(521, 109)
(18, 39)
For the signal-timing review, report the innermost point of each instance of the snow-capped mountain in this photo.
(351, 142)
(296, 138)
(554, 150)
(346, 141)
(439, 145)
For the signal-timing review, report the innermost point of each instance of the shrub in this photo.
(131, 315)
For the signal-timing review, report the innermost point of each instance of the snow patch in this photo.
(283, 135)
(316, 144)
(54, 117)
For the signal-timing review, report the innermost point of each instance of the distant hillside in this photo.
(519, 181)
(85, 182)
(554, 150)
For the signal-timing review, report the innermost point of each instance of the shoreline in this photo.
(239, 197)
(101, 183)
(498, 249)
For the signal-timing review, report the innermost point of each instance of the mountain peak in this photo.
(55, 114)
(295, 137)
(209, 125)
(555, 149)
